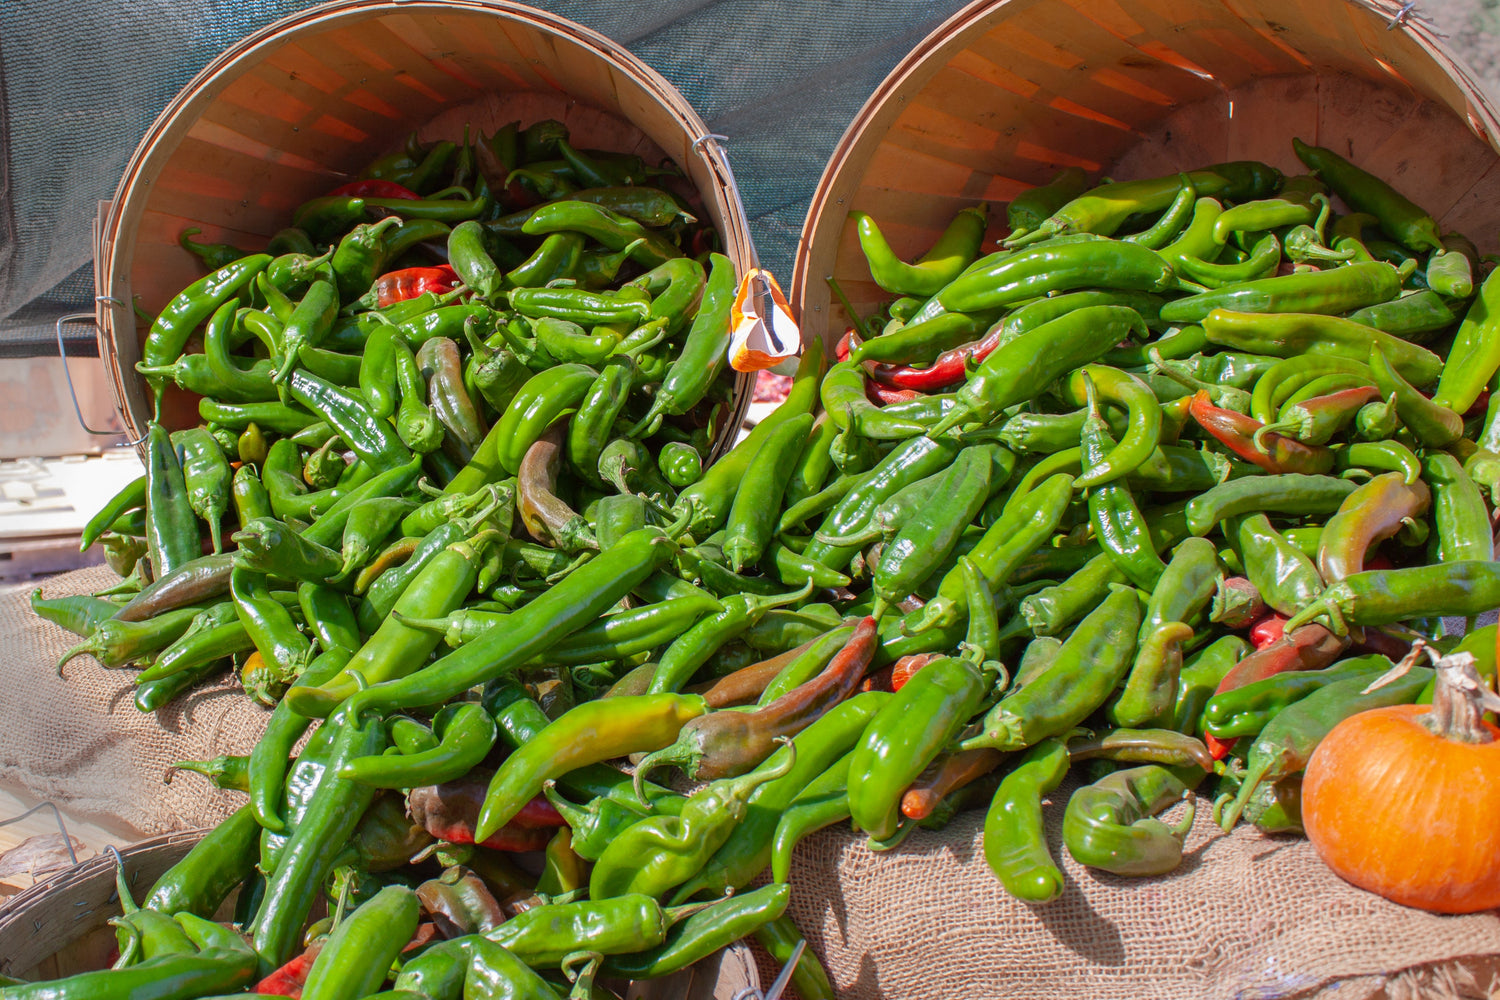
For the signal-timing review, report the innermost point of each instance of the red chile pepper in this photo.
(950, 368)
(450, 812)
(398, 286)
(1311, 647)
(288, 980)
(884, 395)
(373, 187)
(1238, 433)
(905, 668)
(1268, 630)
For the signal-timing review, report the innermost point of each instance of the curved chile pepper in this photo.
(1241, 435)
(693, 648)
(1381, 597)
(954, 250)
(1109, 824)
(1434, 425)
(1105, 208)
(610, 228)
(1288, 741)
(1398, 217)
(1246, 711)
(1287, 335)
(1334, 291)
(725, 744)
(1150, 694)
(1370, 514)
(176, 322)
(1117, 520)
(1143, 425)
(705, 350)
(1288, 493)
(949, 773)
(1015, 841)
(1032, 207)
(545, 515)
(659, 853)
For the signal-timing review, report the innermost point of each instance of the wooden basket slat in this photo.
(1006, 91)
(300, 106)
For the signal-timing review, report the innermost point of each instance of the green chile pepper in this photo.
(1013, 372)
(1286, 578)
(954, 250)
(892, 752)
(752, 516)
(1015, 842)
(357, 956)
(659, 853)
(1090, 665)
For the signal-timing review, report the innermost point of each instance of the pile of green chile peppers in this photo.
(1127, 489)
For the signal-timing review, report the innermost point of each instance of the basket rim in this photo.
(953, 33)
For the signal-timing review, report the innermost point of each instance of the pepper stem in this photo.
(87, 646)
(677, 914)
(1181, 829)
(679, 753)
(1253, 779)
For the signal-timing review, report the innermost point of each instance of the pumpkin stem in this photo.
(1459, 701)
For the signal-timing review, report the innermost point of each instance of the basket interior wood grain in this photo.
(301, 106)
(1006, 93)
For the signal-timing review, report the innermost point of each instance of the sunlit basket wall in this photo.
(300, 106)
(1005, 94)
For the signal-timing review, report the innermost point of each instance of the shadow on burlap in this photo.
(80, 742)
(1245, 916)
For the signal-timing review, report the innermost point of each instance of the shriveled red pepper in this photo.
(450, 812)
(950, 368)
(1237, 432)
(288, 980)
(398, 286)
(374, 187)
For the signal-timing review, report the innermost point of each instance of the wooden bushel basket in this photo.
(59, 927)
(299, 107)
(993, 102)
(1005, 94)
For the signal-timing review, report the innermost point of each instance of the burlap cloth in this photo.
(1246, 916)
(80, 742)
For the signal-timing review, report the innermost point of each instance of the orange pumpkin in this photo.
(1405, 801)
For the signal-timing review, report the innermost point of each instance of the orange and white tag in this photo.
(764, 333)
